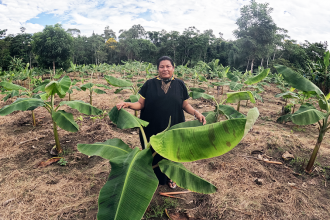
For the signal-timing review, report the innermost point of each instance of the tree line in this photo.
(259, 42)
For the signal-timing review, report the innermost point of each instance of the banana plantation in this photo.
(68, 152)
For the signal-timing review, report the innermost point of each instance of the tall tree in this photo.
(52, 45)
(256, 30)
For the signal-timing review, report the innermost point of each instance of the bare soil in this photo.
(247, 188)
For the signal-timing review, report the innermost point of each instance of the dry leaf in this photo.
(287, 156)
(48, 162)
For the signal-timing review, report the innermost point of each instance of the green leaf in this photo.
(297, 81)
(130, 187)
(53, 88)
(65, 84)
(202, 142)
(65, 121)
(284, 118)
(306, 115)
(124, 119)
(197, 89)
(220, 83)
(86, 86)
(233, 77)
(102, 86)
(258, 77)
(82, 107)
(326, 58)
(21, 104)
(234, 97)
(44, 96)
(99, 91)
(197, 95)
(184, 178)
(41, 87)
(11, 86)
(287, 95)
(235, 86)
(210, 118)
(251, 118)
(230, 112)
(108, 150)
(134, 98)
(117, 82)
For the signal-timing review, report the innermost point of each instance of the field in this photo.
(248, 188)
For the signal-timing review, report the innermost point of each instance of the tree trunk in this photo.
(252, 66)
(247, 66)
(274, 57)
(262, 60)
(315, 151)
(54, 67)
(267, 61)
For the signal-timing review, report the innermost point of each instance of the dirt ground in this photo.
(248, 188)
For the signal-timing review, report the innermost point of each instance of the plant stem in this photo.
(34, 119)
(57, 141)
(146, 144)
(238, 105)
(90, 96)
(322, 132)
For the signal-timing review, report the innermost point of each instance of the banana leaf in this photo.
(108, 150)
(82, 107)
(306, 115)
(133, 98)
(65, 84)
(251, 118)
(103, 86)
(53, 88)
(197, 95)
(297, 81)
(21, 104)
(10, 86)
(230, 112)
(197, 89)
(210, 118)
(220, 83)
(130, 187)
(117, 82)
(235, 86)
(65, 121)
(124, 119)
(86, 86)
(99, 91)
(234, 97)
(41, 86)
(258, 77)
(184, 178)
(196, 143)
(287, 95)
(233, 77)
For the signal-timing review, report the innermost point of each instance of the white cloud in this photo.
(304, 19)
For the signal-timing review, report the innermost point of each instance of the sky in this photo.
(304, 19)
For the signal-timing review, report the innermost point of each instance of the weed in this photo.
(157, 210)
(62, 162)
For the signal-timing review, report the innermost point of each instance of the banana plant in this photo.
(72, 87)
(132, 182)
(307, 113)
(90, 86)
(60, 118)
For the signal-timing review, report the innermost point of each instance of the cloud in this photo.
(304, 19)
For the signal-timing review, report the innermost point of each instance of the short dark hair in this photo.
(164, 58)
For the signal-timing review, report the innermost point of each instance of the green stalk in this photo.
(57, 140)
(146, 144)
(322, 131)
(238, 105)
(90, 96)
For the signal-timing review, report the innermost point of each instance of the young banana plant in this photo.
(307, 113)
(132, 181)
(89, 86)
(60, 118)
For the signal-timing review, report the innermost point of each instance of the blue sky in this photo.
(304, 19)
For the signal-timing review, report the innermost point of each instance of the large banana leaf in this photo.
(124, 119)
(306, 115)
(297, 81)
(184, 178)
(196, 143)
(82, 107)
(235, 86)
(210, 118)
(65, 121)
(197, 95)
(230, 112)
(53, 88)
(130, 187)
(108, 150)
(258, 77)
(21, 104)
(11, 86)
(117, 82)
(287, 95)
(234, 97)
